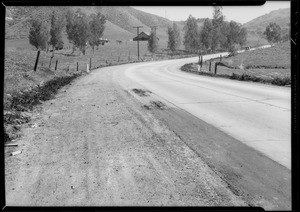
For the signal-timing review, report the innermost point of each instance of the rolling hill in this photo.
(257, 26)
(120, 20)
(280, 17)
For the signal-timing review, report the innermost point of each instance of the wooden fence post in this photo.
(37, 60)
(51, 59)
(216, 66)
(56, 65)
(90, 63)
(201, 60)
(220, 58)
(209, 66)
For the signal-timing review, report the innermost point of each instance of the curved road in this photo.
(258, 115)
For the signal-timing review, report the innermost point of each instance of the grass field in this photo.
(278, 57)
(270, 65)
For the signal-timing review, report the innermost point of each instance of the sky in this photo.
(241, 14)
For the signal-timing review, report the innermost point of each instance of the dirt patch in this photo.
(158, 105)
(155, 105)
(141, 92)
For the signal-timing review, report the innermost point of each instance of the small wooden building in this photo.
(142, 37)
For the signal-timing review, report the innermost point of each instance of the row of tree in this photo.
(214, 35)
(80, 28)
(217, 35)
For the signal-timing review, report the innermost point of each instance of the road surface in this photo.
(256, 114)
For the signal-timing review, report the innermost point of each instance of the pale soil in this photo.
(95, 145)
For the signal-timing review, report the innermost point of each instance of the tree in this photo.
(96, 26)
(233, 34)
(191, 36)
(219, 29)
(153, 42)
(39, 34)
(174, 37)
(242, 36)
(57, 25)
(77, 29)
(218, 17)
(70, 27)
(206, 34)
(273, 33)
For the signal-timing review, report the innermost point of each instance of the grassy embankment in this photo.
(24, 88)
(270, 65)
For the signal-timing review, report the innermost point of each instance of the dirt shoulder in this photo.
(249, 174)
(96, 145)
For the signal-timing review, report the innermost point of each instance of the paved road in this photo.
(258, 115)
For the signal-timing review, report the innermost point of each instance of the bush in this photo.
(281, 81)
(246, 77)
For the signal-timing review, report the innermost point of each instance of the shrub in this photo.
(281, 81)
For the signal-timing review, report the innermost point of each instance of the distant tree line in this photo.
(80, 28)
(214, 35)
(218, 35)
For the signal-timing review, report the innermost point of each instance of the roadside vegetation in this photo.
(270, 65)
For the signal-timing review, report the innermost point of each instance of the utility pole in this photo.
(138, 42)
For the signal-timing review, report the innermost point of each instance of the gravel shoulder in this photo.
(96, 145)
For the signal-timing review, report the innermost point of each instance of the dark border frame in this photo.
(294, 95)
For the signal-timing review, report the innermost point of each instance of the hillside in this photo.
(280, 17)
(257, 26)
(120, 20)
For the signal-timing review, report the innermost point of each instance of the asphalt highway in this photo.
(258, 115)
